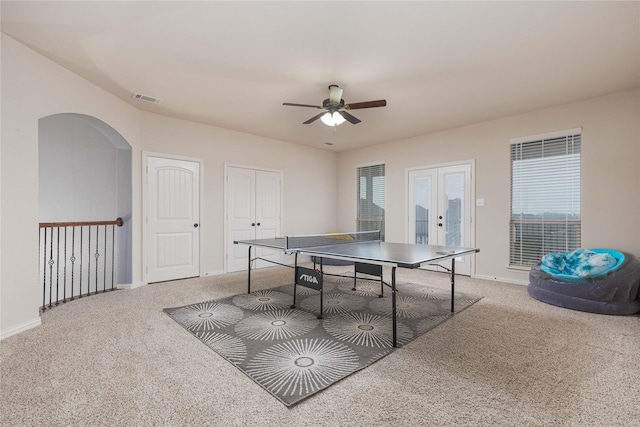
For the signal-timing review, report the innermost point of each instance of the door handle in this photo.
(258, 224)
(195, 225)
(253, 224)
(439, 224)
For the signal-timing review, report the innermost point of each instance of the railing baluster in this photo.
(89, 262)
(73, 257)
(104, 263)
(44, 269)
(58, 266)
(64, 280)
(97, 255)
(113, 252)
(51, 267)
(80, 273)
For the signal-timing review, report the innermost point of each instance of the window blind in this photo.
(371, 198)
(545, 197)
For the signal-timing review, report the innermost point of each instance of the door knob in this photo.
(258, 224)
(439, 224)
(195, 225)
(253, 224)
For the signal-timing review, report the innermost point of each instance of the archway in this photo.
(85, 174)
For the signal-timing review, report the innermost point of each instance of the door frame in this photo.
(227, 165)
(145, 200)
(472, 204)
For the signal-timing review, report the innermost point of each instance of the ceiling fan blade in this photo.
(314, 118)
(335, 94)
(368, 104)
(300, 105)
(348, 117)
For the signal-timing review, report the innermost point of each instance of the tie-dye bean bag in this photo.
(602, 281)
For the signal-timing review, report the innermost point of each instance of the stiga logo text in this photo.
(308, 278)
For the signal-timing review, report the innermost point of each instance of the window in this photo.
(545, 196)
(371, 198)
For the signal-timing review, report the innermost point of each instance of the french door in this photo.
(172, 243)
(253, 212)
(440, 209)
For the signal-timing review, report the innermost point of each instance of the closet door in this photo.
(254, 200)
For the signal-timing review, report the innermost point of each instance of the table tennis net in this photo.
(313, 240)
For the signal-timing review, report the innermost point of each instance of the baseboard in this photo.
(129, 285)
(214, 273)
(21, 328)
(501, 279)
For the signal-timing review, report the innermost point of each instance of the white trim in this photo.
(214, 273)
(145, 178)
(501, 279)
(543, 136)
(357, 190)
(130, 286)
(472, 204)
(21, 328)
(364, 165)
(258, 168)
(471, 162)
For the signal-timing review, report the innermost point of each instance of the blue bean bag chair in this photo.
(598, 280)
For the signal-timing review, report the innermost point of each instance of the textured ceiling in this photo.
(439, 65)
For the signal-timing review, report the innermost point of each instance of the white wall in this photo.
(33, 87)
(610, 175)
(309, 176)
(75, 159)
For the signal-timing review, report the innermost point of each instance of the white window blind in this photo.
(545, 197)
(371, 198)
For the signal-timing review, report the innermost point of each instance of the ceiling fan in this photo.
(335, 107)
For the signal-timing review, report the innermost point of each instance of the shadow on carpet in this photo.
(291, 353)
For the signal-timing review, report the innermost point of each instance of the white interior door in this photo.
(440, 209)
(254, 200)
(173, 216)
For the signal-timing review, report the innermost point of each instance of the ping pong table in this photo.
(365, 249)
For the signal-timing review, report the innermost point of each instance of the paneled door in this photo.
(440, 209)
(254, 199)
(173, 219)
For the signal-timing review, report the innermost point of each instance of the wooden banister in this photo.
(117, 221)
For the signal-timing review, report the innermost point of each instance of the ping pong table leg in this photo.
(393, 302)
(321, 288)
(295, 279)
(249, 273)
(453, 282)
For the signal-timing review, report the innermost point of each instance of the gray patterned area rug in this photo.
(291, 353)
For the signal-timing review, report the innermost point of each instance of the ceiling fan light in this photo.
(332, 119)
(327, 119)
(337, 118)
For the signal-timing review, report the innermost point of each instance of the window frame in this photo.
(571, 227)
(360, 220)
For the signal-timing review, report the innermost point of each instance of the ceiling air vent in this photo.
(147, 98)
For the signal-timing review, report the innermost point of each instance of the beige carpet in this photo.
(117, 359)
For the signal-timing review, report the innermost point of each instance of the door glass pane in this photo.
(454, 189)
(422, 199)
